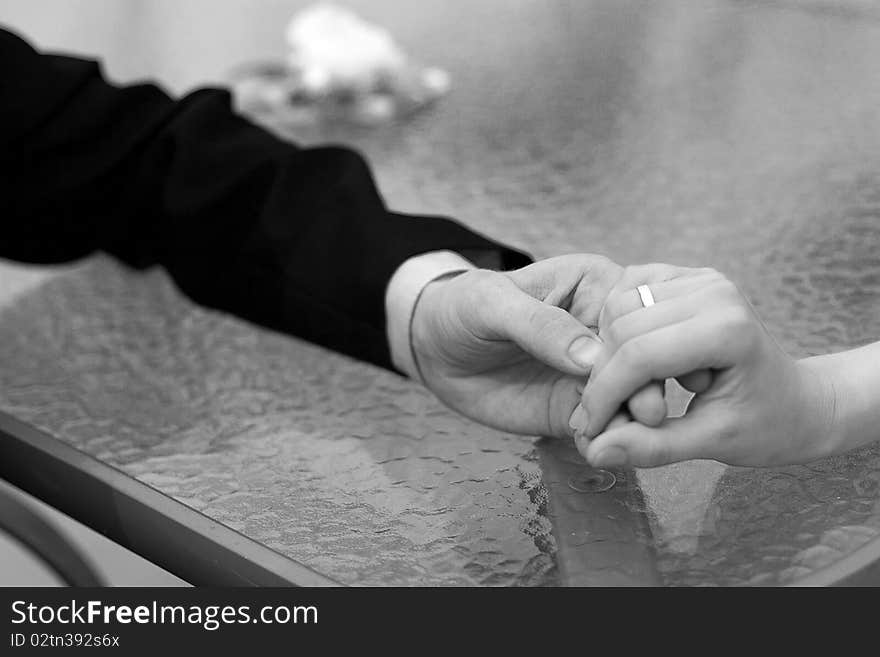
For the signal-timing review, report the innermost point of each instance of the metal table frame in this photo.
(203, 551)
(181, 540)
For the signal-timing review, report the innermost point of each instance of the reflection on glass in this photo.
(592, 480)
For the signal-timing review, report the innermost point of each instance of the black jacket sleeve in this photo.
(295, 239)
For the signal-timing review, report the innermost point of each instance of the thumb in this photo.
(547, 332)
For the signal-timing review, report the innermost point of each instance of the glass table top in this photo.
(741, 135)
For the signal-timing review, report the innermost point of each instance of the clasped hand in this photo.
(516, 351)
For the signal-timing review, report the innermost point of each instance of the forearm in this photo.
(295, 239)
(850, 404)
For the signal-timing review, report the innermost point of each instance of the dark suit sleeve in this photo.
(295, 239)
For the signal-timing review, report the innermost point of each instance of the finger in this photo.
(554, 279)
(674, 310)
(671, 351)
(547, 332)
(577, 419)
(565, 415)
(648, 407)
(628, 302)
(578, 283)
(650, 274)
(697, 382)
(581, 442)
(648, 404)
(677, 439)
(541, 408)
(655, 272)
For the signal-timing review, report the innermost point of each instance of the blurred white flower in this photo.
(333, 48)
(339, 67)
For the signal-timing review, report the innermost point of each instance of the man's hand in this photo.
(513, 350)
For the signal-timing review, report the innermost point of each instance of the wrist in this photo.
(423, 324)
(824, 422)
(404, 289)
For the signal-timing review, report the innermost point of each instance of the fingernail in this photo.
(581, 442)
(611, 457)
(584, 351)
(578, 420)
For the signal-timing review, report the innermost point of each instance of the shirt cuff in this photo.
(401, 296)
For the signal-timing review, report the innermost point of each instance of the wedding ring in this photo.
(645, 295)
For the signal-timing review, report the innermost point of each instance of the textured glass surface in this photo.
(744, 135)
(346, 468)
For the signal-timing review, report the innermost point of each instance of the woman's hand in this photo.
(754, 405)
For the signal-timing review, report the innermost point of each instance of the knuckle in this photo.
(632, 273)
(590, 261)
(720, 294)
(725, 289)
(731, 289)
(712, 279)
(605, 269)
(664, 272)
(738, 327)
(737, 319)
